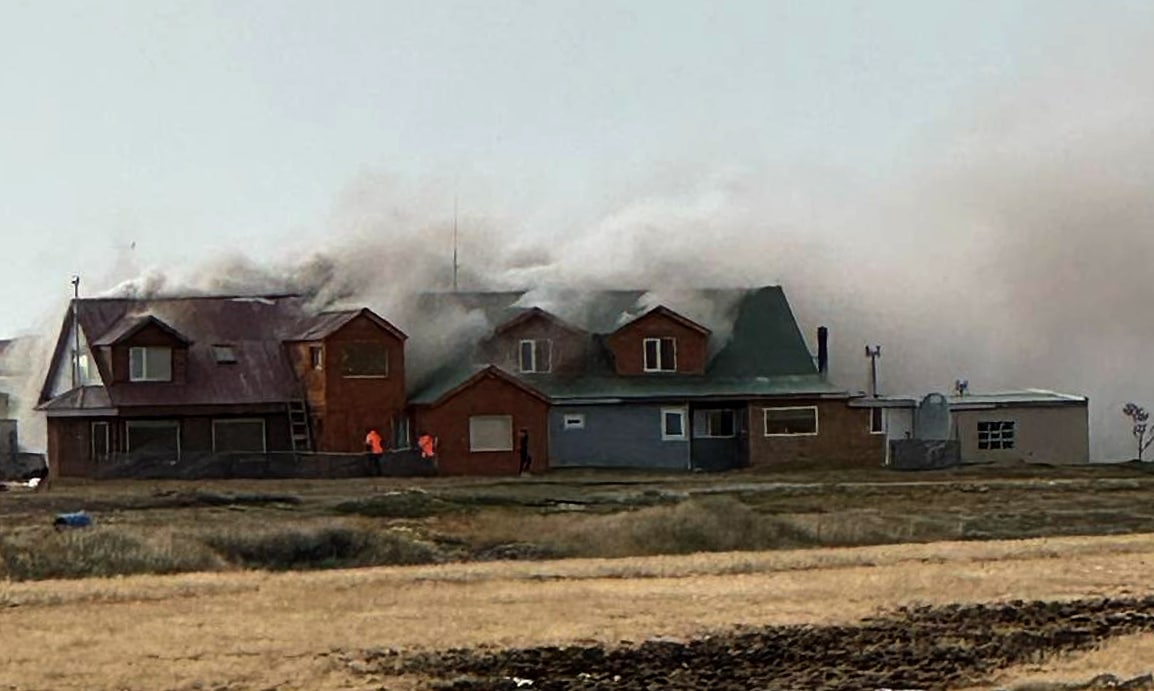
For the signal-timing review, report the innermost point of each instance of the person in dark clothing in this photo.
(526, 459)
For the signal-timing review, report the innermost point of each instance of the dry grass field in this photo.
(647, 559)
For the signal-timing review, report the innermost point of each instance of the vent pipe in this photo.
(822, 351)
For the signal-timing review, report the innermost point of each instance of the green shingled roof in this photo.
(765, 354)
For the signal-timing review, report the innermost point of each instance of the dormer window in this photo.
(152, 363)
(535, 355)
(224, 354)
(661, 354)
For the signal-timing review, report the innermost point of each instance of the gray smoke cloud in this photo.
(1009, 246)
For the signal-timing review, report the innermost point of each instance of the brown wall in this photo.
(150, 335)
(1042, 434)
(69, 443)
(491, 395)
(569, 347)
(351, 406)
(627, 344)
(843, 436)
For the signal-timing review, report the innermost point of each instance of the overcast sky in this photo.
(184, 129)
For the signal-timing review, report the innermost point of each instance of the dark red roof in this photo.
(255, 327)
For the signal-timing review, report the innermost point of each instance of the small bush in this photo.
(312, 547)
(44, 553)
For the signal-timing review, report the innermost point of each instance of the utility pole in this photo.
(75, 332)
(873, 353)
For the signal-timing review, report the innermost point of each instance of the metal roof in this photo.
(1023, 398)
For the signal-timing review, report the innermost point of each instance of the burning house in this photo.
(185, 380)
(626, 384)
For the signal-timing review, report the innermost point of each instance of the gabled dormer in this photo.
(144, 349)
(537, 342)
(658, 342)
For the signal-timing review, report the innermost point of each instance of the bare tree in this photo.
(1140, 418)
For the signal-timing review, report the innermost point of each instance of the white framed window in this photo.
(673, 424)
(153, 437)
(793, 421)
(720, 423)
(402, 436)
(660, 354)
(574, 421)
(491, 433)
(535, 355)
(101, 440)
(239, 435)
(86, 373)
(152, 363)
(995, 434)
(877, 421)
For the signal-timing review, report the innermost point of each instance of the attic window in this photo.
(660, 354)
(535, 355)
(224, 354)
(150, 364)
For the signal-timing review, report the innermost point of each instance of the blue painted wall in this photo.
(615, 436)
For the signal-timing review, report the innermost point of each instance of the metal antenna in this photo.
(873, 353)
(455, 265)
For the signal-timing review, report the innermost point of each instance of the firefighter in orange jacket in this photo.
(428, 445)
(375, 449)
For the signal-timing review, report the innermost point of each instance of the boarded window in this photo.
(153, 363)
(238, 436)
(673, 424)
(574, 421)
(535, 355)
(996, 434)
(660, 354)
(787, 422)
(364, 359)
(719, 423)
(491, 433)
(154, 438)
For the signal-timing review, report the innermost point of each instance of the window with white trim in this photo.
(877, 421)
(673, 424)
(574, 421)
(239, 435)
(660, 354)
(720, 423)
(224, 354)
(535, 355)
(794, 421)
(995, 434)
(491, 433)
(151, 363)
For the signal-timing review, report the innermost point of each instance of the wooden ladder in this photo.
(299, 428)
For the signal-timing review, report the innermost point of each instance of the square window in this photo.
(660, 354)
(535, 355)
(673, 424)
(364, 359)
(995, 434)
(153, 438)
(224, 354)
(791, 422)
(719, 423)
(150, 364)
(491, 433)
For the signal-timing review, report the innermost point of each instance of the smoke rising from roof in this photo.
(1009, 247)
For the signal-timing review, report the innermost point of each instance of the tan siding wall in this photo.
(1055, 434)
(843, 436)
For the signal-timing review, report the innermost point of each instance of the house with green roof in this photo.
(680, 380)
